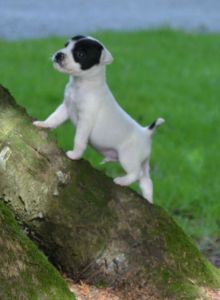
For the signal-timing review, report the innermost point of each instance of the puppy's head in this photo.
(80, 55)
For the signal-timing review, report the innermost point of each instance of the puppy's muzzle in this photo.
(59, 57)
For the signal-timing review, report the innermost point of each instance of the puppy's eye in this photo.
(81, 54)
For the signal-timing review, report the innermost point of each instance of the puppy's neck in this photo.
(93, 78)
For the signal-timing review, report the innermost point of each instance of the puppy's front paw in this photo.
(73, 155)
(40, 124)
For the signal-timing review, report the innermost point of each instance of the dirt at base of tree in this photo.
(84, 291)
(210, 294)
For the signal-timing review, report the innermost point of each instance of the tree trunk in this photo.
(88, 226)
(25, 273)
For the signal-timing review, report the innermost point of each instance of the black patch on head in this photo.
(152, 125)
(78, 37)
(87, 53)
(75, 38)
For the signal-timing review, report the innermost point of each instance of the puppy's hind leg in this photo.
(131, 167)
(127, 179)
(145, 182)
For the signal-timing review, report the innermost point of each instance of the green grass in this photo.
(161, 73)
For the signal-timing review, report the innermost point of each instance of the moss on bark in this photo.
(88, 226)
(25, 272)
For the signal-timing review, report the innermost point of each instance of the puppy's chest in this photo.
(75, 100)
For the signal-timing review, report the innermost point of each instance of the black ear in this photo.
(78, 37)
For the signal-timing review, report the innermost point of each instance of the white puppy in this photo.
(98, 118)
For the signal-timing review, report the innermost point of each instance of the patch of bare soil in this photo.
(210, 294)
(84, 291)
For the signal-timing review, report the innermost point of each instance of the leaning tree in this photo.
(87, 226)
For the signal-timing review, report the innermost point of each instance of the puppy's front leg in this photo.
(55, 119)
(83, 130)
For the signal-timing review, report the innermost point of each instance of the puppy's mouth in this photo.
(58, 64)
(61, 67)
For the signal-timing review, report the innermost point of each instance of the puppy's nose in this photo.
(59, 57)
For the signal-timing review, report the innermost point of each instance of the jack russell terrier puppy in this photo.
(98, 118)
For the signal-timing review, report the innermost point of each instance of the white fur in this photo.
(100, 121)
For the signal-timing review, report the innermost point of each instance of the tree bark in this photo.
(89, 227)
(25, 273)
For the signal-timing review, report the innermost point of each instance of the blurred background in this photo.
(166, 64)
(30, 18)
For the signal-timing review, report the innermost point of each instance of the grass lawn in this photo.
(161, 73)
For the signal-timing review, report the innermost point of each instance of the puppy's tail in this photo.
(153, 126)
